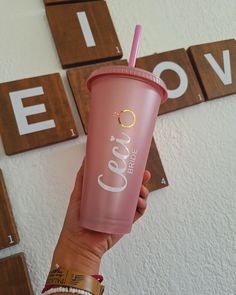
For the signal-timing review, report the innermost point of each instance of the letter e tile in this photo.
(34, 112)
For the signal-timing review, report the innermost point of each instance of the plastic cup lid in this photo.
(134, 73)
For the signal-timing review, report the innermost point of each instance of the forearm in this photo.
(76, 259)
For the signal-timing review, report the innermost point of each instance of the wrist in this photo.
(75, 257)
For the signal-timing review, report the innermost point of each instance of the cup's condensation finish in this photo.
(123, 110)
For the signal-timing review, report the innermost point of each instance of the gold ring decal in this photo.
(127, 124)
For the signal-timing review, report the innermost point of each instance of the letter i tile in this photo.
(175, 69)
(215, 65)
(34, 112)
(83, 33)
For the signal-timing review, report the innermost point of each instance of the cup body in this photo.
(122, 118)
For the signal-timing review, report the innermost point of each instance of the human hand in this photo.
(81, 249)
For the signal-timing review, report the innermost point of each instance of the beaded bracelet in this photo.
(55, 290)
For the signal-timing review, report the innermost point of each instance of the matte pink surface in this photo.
(111, 145)
(135, 46)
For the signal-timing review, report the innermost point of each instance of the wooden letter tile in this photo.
(77, 79)
(52, 2)
(8, 232)
(154, 165)
(83, 33)
(14, 278)
(34, 112)
(176, 71)
(215, 65)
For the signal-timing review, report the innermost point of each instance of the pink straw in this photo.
(135, 46)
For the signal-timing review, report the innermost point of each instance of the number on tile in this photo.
(11, 240)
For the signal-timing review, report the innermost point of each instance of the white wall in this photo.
(185, 244)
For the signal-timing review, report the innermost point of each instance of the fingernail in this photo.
(147, 176)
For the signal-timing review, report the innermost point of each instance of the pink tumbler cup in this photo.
(123, 110)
